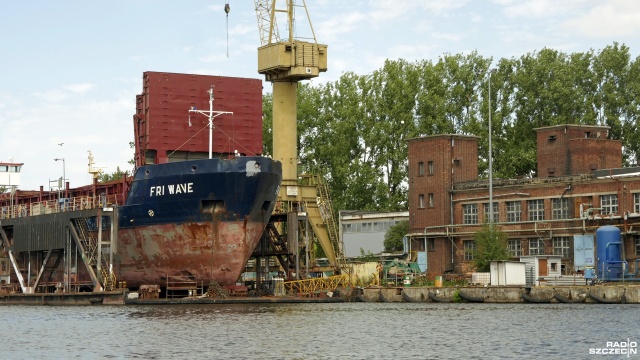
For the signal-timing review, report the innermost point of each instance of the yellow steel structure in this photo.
(312, 286)
(284, 62)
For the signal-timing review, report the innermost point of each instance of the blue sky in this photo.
(70, 69)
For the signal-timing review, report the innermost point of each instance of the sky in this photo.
(70, 69)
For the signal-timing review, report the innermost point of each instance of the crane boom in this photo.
(266, 26)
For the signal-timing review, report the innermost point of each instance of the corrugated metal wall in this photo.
(39, 234)
(163, 123)
(44, 232)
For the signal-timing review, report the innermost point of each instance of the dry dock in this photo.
(78, 298)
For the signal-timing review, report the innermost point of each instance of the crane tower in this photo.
(284, 61)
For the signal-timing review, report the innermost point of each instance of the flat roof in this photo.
(574, 126)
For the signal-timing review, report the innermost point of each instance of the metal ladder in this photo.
(89, 240)
(323, 203)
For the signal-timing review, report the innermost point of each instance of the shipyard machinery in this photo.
(285, 59)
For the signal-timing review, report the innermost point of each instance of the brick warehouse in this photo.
(581, 186)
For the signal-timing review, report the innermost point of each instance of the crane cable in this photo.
(227, 9)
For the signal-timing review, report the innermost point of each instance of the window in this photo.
(514, 211)
(431, 168)
(536, 210)
(420, 168)
(637, 244)
(431, 201)
(561, 246)
(560, 208)
(554, 266)
(431, 244)
(470, 213)
(346, 228)
(514, 246)
(636, 202)
(494, 214)
(536, 247)
(421, 201)
(609, 204)
(469, 249)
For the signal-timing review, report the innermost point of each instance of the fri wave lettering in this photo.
(171, 189)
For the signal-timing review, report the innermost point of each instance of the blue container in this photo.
(608, 252)
(589, 273)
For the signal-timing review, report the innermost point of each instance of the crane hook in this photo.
(227, 9)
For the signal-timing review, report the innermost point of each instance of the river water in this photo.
(319, 331)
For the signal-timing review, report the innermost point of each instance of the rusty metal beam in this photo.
(18, 273)
(85, 258)
(44, 262)
(5, 243)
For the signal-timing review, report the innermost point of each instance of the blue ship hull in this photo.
(199, 218)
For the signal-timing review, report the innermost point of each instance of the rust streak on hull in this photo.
(148, 254)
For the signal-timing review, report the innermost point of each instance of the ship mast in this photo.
(212, 115)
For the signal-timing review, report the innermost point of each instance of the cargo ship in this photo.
(186, 217)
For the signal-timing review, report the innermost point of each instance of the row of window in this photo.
(561, 246)
(561, 208)
(536, 247)
(380, 226)
(10, 168)
(429, 168)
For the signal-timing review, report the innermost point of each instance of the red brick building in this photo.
(581, 186)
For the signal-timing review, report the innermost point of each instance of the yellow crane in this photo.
(284, 61)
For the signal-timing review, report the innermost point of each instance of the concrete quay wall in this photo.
(617, 293)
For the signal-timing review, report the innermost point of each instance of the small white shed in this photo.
(507, 273)
(537, 267)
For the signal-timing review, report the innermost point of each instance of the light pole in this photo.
(490, 158)
(64, 176)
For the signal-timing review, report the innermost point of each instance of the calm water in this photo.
(316, 331)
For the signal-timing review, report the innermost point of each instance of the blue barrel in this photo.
(608, 252)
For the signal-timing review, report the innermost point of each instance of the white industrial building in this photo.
(366, 230)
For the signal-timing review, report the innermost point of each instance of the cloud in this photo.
(331, 28)
(32, 134)
(54, 96)
(448, 36)
(79, 88)
(212, 58)
(607, 19)
(538, 8)
(242, 30)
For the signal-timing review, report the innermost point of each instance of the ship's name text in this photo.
(171, 189)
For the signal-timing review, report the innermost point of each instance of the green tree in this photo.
(393, 237)
(132, 161)
(267, 124)
(367, 256)
(353, 130)
(491, 245)
(116, 175)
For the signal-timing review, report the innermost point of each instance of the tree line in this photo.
(353, 130)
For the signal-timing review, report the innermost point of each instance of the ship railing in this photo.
(15, 211)
(50, 207)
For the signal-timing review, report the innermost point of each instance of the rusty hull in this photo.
(208, 251)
